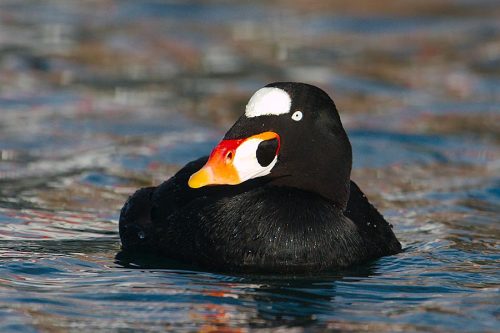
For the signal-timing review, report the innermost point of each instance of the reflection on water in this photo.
(100, 98)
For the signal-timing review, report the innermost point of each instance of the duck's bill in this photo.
(234, 161)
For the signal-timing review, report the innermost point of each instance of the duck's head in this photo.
(292, 135)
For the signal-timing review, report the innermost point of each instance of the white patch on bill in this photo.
(246, 163)
(268, 102)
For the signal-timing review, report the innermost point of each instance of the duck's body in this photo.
(268, 222)
(255, 227)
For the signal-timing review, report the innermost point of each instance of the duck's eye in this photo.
(297, 115)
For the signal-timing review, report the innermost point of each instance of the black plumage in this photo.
(306, 215)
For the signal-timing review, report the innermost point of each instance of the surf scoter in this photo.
(274, 195)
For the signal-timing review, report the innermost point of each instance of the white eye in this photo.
(297, 115)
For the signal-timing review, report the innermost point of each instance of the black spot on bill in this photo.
(266, 151)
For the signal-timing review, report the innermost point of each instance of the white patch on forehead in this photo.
(268, 102)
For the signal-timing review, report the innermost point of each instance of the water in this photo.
(100, 98)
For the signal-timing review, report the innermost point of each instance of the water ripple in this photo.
(98, 99)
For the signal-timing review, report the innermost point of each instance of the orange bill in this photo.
(225, 164)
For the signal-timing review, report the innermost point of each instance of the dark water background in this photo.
(98, 98)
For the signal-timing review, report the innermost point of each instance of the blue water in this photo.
(98, 99)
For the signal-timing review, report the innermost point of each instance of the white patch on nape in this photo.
(268, 102)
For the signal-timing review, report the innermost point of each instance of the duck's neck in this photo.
(335, 191)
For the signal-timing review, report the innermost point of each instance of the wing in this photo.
(135, 219)
(137, 229)
(371, 224)
(175, 193)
